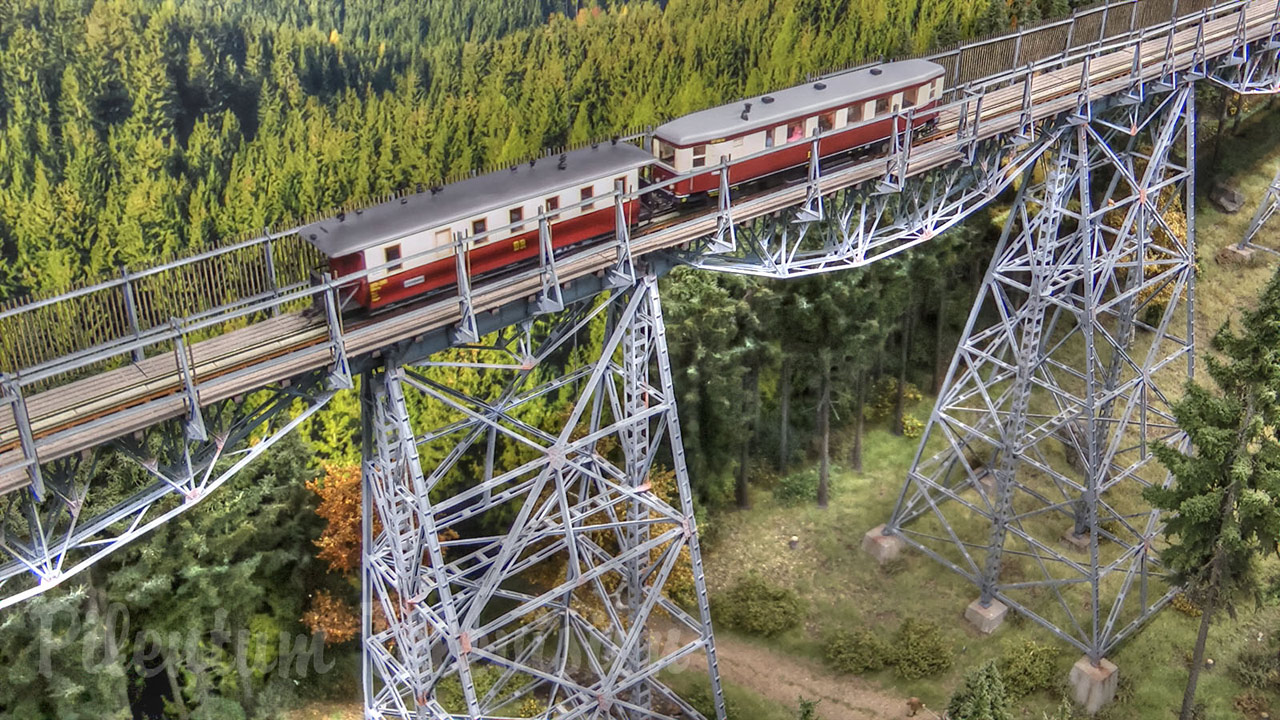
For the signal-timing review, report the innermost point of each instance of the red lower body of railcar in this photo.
(767, 164)
(481, 260)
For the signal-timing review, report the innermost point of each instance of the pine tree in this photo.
(1226, 491)
(994, 19)
(982, 697)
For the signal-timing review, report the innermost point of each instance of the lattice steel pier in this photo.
(1029, 476)
(579, 500)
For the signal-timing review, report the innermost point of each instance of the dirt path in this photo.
(782, 679)
(777, 677)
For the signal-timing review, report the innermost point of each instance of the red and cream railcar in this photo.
(849, 110)
(413, 236)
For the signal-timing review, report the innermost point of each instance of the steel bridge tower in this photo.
(595, 503)
(1028, 479)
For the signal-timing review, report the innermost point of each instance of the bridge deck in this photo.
(113, 404)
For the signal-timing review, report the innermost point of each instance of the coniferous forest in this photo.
(134, 130)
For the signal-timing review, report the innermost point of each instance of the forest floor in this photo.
(842, 587)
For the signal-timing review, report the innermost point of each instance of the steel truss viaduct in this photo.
(1027, 482)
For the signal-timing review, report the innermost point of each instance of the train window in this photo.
(882, 106)
(826, 121)
(768, 137)
(699, 155)
(478, 227)
(908, 97)
(584, 195)
(666, 152)
(553, 203)
(795, 130)
(516, 215)
(392, 253)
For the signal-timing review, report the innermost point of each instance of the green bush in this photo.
(855, 651)
(703, 701)
(919, 650)
(797, 488)
(218, 708)
(756, 607)
(1257, 666)
(449, 689)
(1027, 668)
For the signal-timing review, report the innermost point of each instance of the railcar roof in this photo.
(726, 120)
(398, 217)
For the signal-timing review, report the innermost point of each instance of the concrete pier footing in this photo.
(1094, 685)
(880, 546)
(986, 618)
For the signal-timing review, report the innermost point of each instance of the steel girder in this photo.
(1251, 68)
(85, 514)
(1029, 475)
(538, 548)
(870, 221)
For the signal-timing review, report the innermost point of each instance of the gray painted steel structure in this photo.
(1124, 120)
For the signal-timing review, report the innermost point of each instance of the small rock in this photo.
(1226, 198)
(1208, 662)
(794, 542)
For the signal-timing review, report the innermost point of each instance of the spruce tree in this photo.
(994, 19)
(1226, 490)
(982, 697)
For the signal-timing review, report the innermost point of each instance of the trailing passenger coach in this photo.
(410, 243)
(850, 111)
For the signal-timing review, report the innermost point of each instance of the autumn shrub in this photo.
(757, 607)
(1186, 605)
(912, 426)
(855, 651)
(919, 650)
(1027, 668)
(332, 616)
(884, 398)
(797, 488)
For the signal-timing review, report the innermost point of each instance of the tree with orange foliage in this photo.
(339, 543)
(339, 492)
(332, 616)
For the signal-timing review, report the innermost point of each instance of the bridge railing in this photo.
(1087, 27)
(34, 333)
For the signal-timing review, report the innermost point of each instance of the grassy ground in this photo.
(842, 587)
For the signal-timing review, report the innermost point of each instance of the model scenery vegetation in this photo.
(135, 130)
